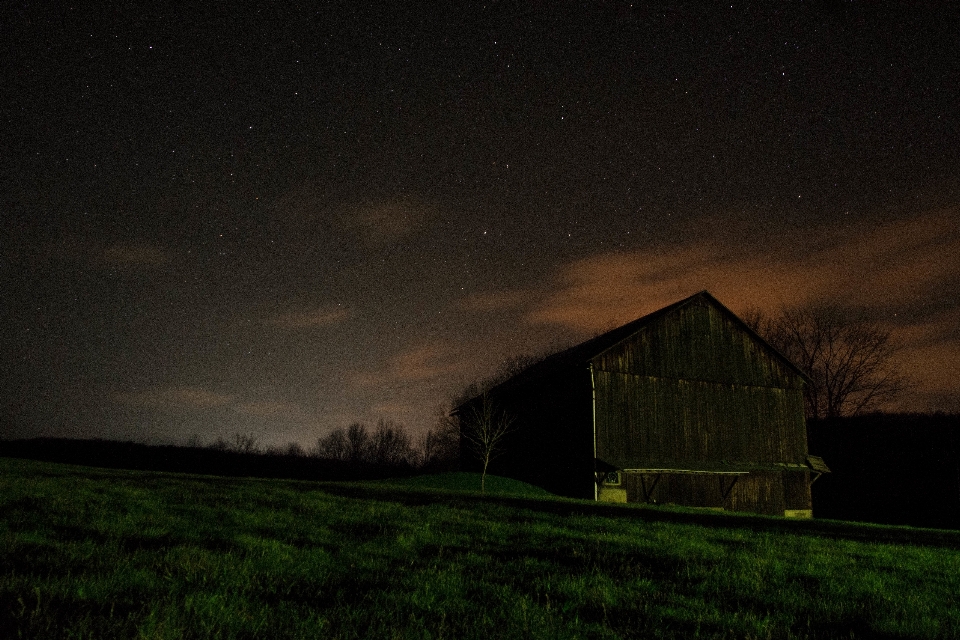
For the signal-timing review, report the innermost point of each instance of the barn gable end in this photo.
(700, 340)
(694, 388)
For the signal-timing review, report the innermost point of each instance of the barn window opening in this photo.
(613, 479)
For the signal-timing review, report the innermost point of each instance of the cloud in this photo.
(419, 364)
(385, 221)
(274, 409)
(186, 398)
(487, 301)
(310, 209)
(894, 264)
(930, 357)
(175, 398)
(880, 268)
(73, 248)
(411, 384)
(903, 274)
(308, 319)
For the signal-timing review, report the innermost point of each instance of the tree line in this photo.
(388, 444)
(352, 453)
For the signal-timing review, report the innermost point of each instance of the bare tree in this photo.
(440, 446)
(353, 445)
(484, 430)
(294, 450)
(333, 446)
(219, 444)
(245, 443)
(358, 443)
(847, 359)
(390, 445)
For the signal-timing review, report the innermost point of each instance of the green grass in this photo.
(470, 482)
(91, 553)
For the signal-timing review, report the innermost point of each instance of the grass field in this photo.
(470, 482)
(92, 553)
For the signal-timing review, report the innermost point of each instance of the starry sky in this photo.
(279, 220)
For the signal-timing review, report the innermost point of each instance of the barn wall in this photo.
(759, 493)
(695, 388)
(796, 490)
(645, 418)
(699, 342)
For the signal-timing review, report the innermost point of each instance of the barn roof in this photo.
(581, 354)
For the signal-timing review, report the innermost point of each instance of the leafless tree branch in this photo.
(484, 431)
(847, 359)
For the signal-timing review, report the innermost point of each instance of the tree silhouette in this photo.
(390, 445)
(358, 443)
(440, 446)
(847, 359)
(245, 443)
(483, 430)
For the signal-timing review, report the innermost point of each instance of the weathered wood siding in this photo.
(759, 493)
(643, 419)
(796, 491)
(698, 342)
(694, 386)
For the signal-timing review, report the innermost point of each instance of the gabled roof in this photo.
(581, 354)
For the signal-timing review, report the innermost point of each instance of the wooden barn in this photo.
(686, 406)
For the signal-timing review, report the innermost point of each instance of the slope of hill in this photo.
(470, 482)
(116, 554)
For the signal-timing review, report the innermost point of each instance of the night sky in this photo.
(277, 221)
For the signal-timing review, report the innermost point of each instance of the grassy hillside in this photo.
(463, 481)
(120, 554)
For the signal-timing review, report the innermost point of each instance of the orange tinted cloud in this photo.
(494, 301)
(421, 363)
(893, 264)
(930, 356)
(194, 398)
(410, 383)
(884, 267)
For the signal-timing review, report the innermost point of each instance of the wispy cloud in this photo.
(274, 409)
(386, 221)
(411, 384)
(187, 398)
(904, 274)
(308, 319)
(128, 253)
(175, 398)
(419, 364)
(486, 301)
